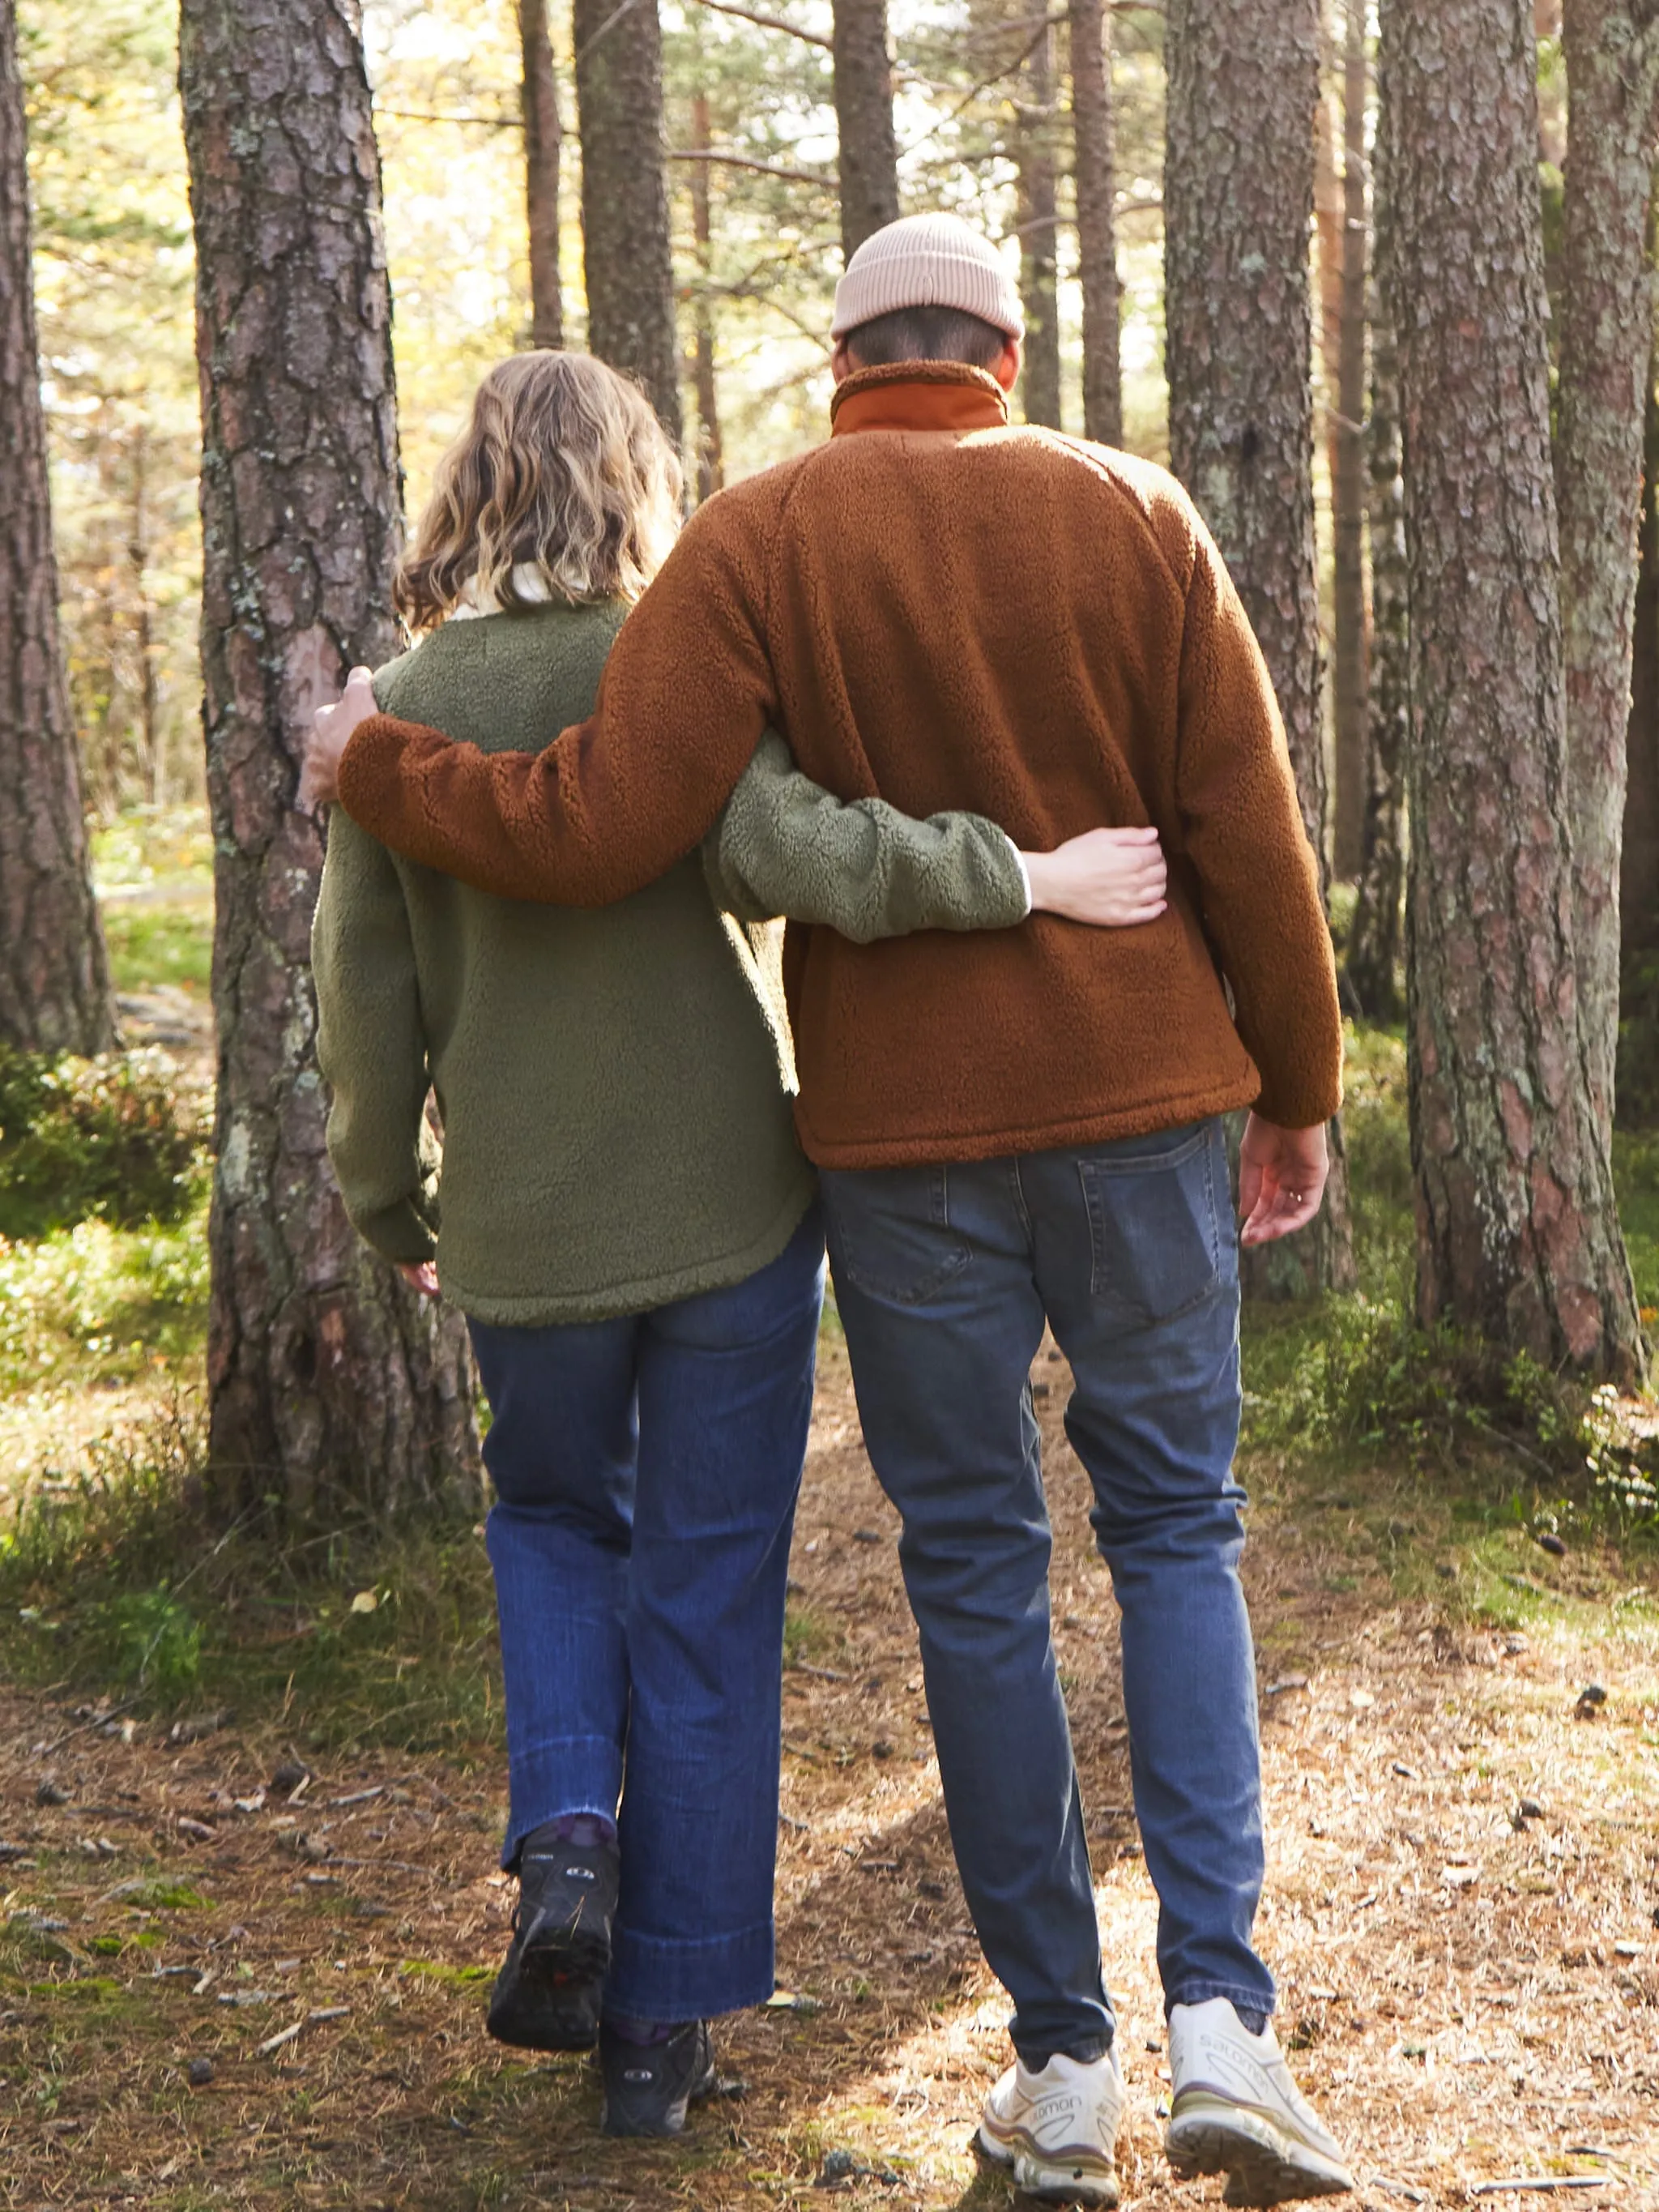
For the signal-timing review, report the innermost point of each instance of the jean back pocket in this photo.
(1155, 1223)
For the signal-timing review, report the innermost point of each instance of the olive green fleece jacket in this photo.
(614, 1086)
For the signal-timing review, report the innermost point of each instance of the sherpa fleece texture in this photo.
(945, 612)
(614, 1087)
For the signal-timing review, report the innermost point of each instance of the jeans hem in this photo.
(666, 1978)
(559, 1807)
(1241, 1998)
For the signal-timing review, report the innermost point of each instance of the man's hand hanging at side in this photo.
(1282, 1179)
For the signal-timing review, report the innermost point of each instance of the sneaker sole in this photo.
(1263, 2165)
(556, 2004)
(1050, 2177)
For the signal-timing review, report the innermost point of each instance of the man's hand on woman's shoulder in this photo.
(330, 732)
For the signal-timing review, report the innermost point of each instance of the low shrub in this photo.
(1367, 1376)
(107, 1139)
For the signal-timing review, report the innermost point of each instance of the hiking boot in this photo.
(547, 1994)
(1056, 2129)
(1235, 2110)
(647, 2085)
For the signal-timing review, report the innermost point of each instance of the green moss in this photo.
(435, 1970)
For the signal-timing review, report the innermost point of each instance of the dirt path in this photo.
(1472, 1990)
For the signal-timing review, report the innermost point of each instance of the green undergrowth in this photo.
(1348, 1398)
(109, 1139)
(122, 1583)
(96, 1304)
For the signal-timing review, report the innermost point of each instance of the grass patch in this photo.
(122, 1583)
(807, 1636)
(152, 944)
(97, 1304)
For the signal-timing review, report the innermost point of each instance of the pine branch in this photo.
(761, 168)
(769, 23)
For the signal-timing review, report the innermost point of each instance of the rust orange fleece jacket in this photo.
(945, 612)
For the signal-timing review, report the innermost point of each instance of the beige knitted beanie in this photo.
(927, 261)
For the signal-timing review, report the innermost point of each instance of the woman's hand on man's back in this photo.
(1112, 878)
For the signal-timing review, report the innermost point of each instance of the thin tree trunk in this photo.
(1039, 275)
(626, 253)
(1094, 156)
(328, 1380)
(711, 459)
(1374, 940)
(1238, 203)
(1349, 644)
(543, 139)
(1518, 1230)
(1638, 904)
(143, 628)
(1606, 340)
(864, 117)
(54, 976)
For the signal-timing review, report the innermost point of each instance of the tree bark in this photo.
(711, 457)
(1094, 156)
(1039, 240)
(329, 1382)
(1607, 341)
(1349, 643)
(626, 253)
(1374, 940)
(1518, 1230)
(543, 140)
(54, 976)
(1238, 203)
(864, 117)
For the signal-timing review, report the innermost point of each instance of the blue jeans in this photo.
(943, 1276)
(646, 1473)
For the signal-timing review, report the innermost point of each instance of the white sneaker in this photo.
(1057, 2129)
(1235, 2111)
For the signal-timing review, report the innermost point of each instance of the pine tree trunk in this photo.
(711, 457)
(54, 976)
(543, 139)
(1095, 165)
(329, 1382)
(1374, 940)
(1349, 644)
(1237, 202)
(627, 253)
(1606, 340)
(1638, 903)
(864, 117)
(1039, 277)
(1518, 1230)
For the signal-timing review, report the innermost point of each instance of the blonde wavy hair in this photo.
(563, 466)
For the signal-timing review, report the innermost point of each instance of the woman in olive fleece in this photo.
(627, 1222)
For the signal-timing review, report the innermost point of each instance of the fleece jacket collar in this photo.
(919, 395)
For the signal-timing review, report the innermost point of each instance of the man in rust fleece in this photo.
(1011, 1128)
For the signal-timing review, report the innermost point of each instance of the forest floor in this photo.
(247, 1928)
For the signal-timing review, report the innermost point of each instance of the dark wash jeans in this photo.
(943, 1276)
(646, 1474)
